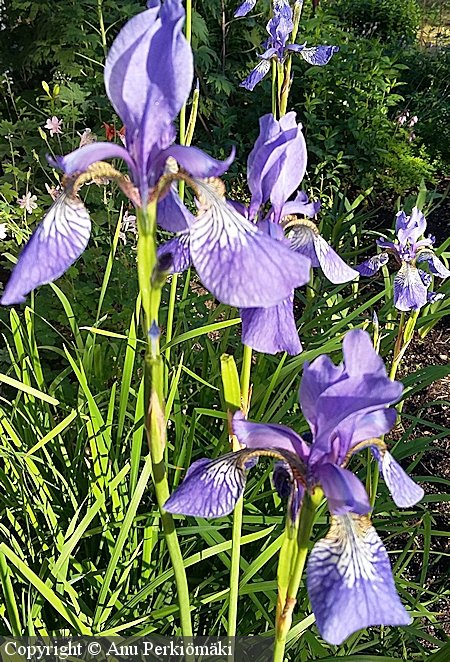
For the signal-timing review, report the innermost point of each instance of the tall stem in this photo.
(286, 87)
(284, 620)
(102, 26)
(238, 511)
(155, 420)
(183, 141)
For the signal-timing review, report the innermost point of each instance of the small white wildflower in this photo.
(53, 125)
(27, 202)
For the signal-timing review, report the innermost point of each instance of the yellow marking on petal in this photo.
(292, 221)
(364, 444)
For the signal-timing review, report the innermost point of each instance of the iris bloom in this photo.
(275, 168)
(148, 77)
(349, 578)
(411, 284)
(279, 28)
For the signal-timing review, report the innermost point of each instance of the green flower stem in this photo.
(102, 27)
(284, 618)
(274, 88)
(284, 96)
(238, 511)
(185, 139)
(155, 423)
(404, 336)
(245, 378)
(234, 568)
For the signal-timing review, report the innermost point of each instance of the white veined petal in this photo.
(55, 244)
(239, 264)
(350, 582)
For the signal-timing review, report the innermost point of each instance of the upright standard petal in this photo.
(56, 243)
(277, 163)
(211, 488)
(128, 89)
(360, 356)
(148, 90)
(410, 227)
(350, 582)
(405, 492)
(317, 377)
(332, 396)
(359, 429)
(409, 291)
(344, 491)
(240, 265)
(268, 435)
(271, 330)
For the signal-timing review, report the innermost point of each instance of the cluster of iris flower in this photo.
(277, 48)
(252, 258)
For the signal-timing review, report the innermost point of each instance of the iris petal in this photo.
(350, 582)
(178, 248)
(211, 488)
(256, 75)
(318, 55)
(435, 265)
(172, 214)
(277, 163)
(409, 291)
(56, 243)
(333, 266)
(271, 330)
(371, 266)
(301, 205)
(344, 491)
(268, 435)
(405, 492)
(410, 227)
(239, 264)
(197, 162)
(80, 159)
(244, 8)
(301, 238)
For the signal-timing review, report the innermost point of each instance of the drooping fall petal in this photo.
(350, 582)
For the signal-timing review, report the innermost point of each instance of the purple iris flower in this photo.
(275, 168)
(148, 77)
(349, 578)
(240, 265)
(279, 28)
(411, 284)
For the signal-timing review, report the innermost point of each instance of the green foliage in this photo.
(350, 109)
(427, 90)
(81, 547)
(387, 20)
